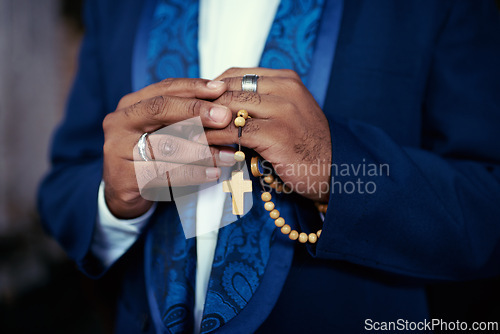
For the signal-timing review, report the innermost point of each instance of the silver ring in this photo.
(141, 145)
(249, 83)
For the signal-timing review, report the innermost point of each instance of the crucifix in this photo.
(237, 186)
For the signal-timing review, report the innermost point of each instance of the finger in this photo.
(268, 85)
(256, 134)
(193, 88)
(154, 113)
(166, 174)
(173, 149)
(258, 105)
(260, 71)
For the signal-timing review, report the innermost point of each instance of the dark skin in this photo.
(287, 128)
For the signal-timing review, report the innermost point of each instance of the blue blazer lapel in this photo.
(262, 302)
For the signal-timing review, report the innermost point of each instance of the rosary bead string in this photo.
(274, 183)
(269, 205)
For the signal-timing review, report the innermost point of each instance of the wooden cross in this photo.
(237, 186)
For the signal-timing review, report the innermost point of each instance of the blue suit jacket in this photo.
(414, 84)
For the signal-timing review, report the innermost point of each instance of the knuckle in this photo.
(232, 70)
(195, 84)
(233, 81)
(291, 73)
(194, 107)
(124, 101)
(123, 197)
(166, 83)
(288, 106)
(202, 153)
(188, 173)
(126, 194)
(108, 121)
(110, 146)
(294, 84)
(106, 148)
(227, 98)
(155, 106)
(168, 147)
(134, 109)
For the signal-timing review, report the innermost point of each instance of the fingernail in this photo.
(214, 84)
(226, 156)
(212, 173)
(218, 114)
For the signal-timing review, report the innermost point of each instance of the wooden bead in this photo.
(239, 122)
(239, 156)
(303, 238)
(279, 187)
(266, 196)
(254, 166)
(293, 235)
(269, 206)
(275, 214)
(286, 229)
(313, 238)
(243, 113)
(268, 179)
(275, 185)
(322, 207)
(279, 222)
(319, 233)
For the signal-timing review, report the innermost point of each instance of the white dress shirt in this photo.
(224, 41)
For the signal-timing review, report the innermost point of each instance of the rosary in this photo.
(238, 186)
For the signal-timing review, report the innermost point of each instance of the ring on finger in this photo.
(249, 83)
(141, 145)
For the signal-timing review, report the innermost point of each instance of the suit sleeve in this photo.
(68, 195)
(436, 210)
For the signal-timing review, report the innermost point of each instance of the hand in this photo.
(147, 110)
(287, 128)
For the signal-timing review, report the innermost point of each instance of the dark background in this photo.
(41, 291)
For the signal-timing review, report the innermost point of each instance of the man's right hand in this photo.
(147, 110)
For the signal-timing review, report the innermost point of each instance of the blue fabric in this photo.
(240, 261)
(290, 44)
(173, 41)
(414, 84)
(260, 253)
(170, 274)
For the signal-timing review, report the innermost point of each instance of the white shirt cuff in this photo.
(113, 236)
